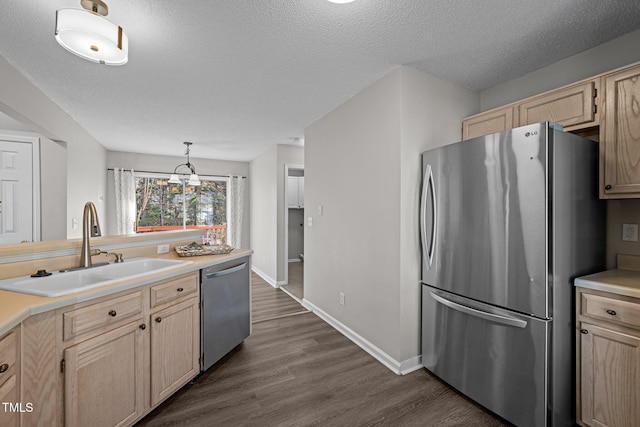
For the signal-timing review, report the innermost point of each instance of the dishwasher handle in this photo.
(225, 272)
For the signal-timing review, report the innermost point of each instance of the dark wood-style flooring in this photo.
(296, 370)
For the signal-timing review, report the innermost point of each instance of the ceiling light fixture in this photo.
(86, 33)
(193, 176)
(340, 1)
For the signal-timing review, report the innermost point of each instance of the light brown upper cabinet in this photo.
(489, 122)
(620, 135)
(571, 106)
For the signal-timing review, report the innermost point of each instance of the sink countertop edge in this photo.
(16, 307)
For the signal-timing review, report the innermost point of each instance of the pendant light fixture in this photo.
(86, 33)
(193, 176)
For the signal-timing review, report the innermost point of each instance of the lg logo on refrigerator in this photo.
(528, 134)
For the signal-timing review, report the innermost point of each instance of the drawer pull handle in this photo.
(143, 326)
(611, 312)
(607, 187)
(4, 368)
(180, 289)
(584, 331)
(112, 313)
(158, 319)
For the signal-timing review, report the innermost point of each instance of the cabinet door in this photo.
(489, 122)
(301, 192)
(569, 106)
(175, 345)
(620, 135)
(609, 377)
(104, 380)
(292, 191)
(9, 379)
(9, 396)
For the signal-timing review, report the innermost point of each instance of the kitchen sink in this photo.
(68, 282)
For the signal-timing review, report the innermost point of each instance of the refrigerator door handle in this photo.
(505, 320)
(428, 244)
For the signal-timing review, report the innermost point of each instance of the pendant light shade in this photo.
(193, 180)
(89, 35)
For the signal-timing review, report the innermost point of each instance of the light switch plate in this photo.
(629, 232)
(163, 249)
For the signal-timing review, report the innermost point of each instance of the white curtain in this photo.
(235, 210)
(125, 189)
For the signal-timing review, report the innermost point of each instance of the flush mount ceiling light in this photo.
(86, 33)
(193, 176)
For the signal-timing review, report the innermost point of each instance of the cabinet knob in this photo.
(180, 289)
(584, 331)
(112, 313)
(158, 319)
(611, 312)
(4, 368)
(607, 187)
(143, 326)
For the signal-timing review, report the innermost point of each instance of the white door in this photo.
(16, 192)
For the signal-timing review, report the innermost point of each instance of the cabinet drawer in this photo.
(102, 316)
(172, 290)
(610, 309)
(8, 354)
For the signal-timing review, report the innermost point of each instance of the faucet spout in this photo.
(90, 228)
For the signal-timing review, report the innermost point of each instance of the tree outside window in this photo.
(161, 205)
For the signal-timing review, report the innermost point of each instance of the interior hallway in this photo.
(296, 370)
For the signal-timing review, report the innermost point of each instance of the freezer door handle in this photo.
(227, 271)
(428, 192)
(505, 320)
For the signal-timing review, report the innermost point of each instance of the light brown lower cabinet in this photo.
(113, 359)
(175, 348)
(104, 381)
(608, 363)
(10, 405)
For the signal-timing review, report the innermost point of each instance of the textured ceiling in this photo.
(237, 76)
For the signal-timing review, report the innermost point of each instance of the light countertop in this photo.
(16, 307)
(617, 281)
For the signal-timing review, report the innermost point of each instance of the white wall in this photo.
(263, 189)
(608, 56)
(86, 158)
(166, 164)
(362, 164)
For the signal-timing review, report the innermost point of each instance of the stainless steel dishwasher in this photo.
(225, 309)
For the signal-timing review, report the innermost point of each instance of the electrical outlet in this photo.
(629, 232)
(341, 298)
(163, 249)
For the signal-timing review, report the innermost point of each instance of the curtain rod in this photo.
(169, 173)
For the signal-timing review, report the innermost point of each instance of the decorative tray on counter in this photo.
(197, 249)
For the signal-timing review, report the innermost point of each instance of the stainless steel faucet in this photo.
(90, 227)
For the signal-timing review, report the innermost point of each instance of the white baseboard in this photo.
(265, 276)
(399, 368)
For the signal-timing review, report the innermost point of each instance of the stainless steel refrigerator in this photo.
(507, 222)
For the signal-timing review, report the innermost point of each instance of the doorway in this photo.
(19, 190)
(294, 231)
